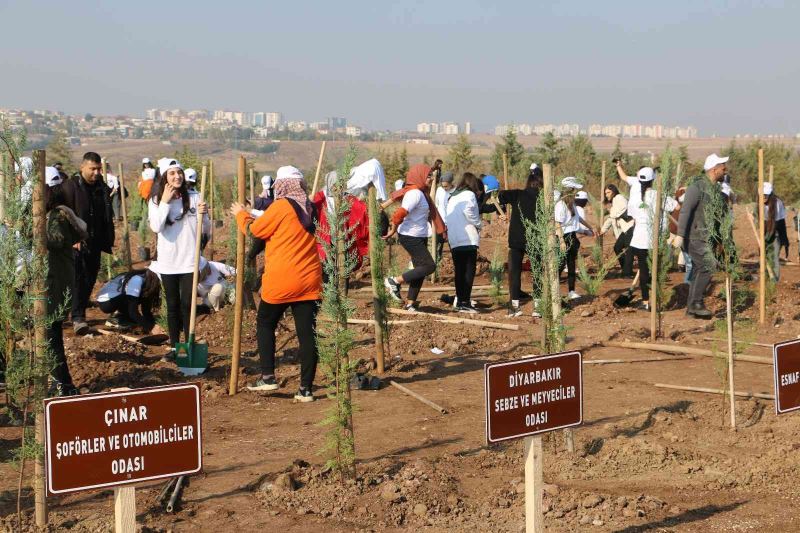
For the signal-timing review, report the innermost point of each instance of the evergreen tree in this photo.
(549, 150)
(579, 159)
(511, 147)
(618, 153)
(403, 163)
(460, 157)
(58, 150)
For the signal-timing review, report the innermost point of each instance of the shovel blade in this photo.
(191, 357)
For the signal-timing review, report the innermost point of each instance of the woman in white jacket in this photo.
(463, 220)
(618, 221)
(172, 214)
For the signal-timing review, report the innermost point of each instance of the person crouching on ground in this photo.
(126, 294)
(463, 221)
(570, 216)
(292, 276)
(214, 284)
(410, 221)
(64, 230)
(172, 214)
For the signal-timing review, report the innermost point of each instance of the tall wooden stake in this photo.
(319, 167)
(252, 189)
(771, 173)
(126, 237)
(238, 309)
(762, 258)
(210, 245)
(602, 200)
(534, 484)
(39, 332)
(125, 509)
(654, 250)
(729, 312)
(505, 185)
(377, 308)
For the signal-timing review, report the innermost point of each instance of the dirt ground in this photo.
(647, 458)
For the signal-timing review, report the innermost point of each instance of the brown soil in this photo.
(646, 459)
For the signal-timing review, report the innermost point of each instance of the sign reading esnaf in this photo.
(533, 395)
(109, 439)
(786, 357)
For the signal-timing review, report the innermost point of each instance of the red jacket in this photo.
(357, 224)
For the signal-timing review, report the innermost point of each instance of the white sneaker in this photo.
(573, 295)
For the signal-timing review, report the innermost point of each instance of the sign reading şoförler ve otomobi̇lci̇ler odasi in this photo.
(533, 395)
(104, 440)
(786, 356)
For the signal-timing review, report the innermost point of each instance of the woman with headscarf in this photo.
(463, 221)
(172, 213)
(292, 276)
(411, 221)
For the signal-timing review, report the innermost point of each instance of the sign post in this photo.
(528, 397)
(786, 356)
(115, 439)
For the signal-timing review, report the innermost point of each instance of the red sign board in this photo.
(786, 357)
(533, 395)
(105, 440)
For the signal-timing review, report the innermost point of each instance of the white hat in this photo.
(398, 185)
(714, 160)
(556, 195)
(646, 174)
(726, 188)
(146, 160)
(288, 173)
(534, 166)
(52, 176)
(166, 163)
(582, 195)
(767, 188)
(148, 174)
(266, 181)
(191, 175)
(571, 182)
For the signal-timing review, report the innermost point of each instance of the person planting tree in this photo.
(571, 221)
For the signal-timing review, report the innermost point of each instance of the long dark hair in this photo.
(183, 190)
(150, 295)
(54, 197)
(535, 179)
(614, 192)
(470, 182)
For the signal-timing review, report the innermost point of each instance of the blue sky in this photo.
(724, 67)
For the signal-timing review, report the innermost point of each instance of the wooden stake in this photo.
(602, 200)
(319, 167)
(741, 394)
(668, 348)
(39, 333)
(762, 344)
(374, 259)
(211, 195)
(654, 250)
(640, 360)
(771, 170)
(534, 484)
(762, 258)
(729, 312)
(238, 312)
(125, 509)
(480, 323)
(749, 216)
(419, 397)
(252, 189)
(197, 252)
(505, 187)
(126, 238)
(105, 170)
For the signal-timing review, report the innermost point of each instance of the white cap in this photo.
(398, 185)
(52, 176)
(534, 166)
(767, 188)
(146, 160)
(191, 175)
(266, 181)
(166, 163)
(726, 188)
(571, 182)
(148, 174)
(582, 195)
(288, 173)
(646, 174)
(714, 160)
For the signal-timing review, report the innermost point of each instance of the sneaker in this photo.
(263, 383)
(467, 309)
(573, 295)
(112, 323)
(394, 288)
(80, 327)
(699, 311)
(644, 306)
(169, 357)
(536, 313)
(514, 311)
(411, 306)
(304, 395)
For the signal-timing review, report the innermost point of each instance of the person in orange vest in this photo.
(148, 177)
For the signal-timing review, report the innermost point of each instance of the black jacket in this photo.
(523, 205)
(92, 204)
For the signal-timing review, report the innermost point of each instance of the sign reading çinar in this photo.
(110, 439)
(533, 395)
(786, 357)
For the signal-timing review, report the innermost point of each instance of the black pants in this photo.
(465, 261)
(644, 269)
(128, 308)
(515, 257)
(620, 250)
(783, 235)
(573, 244)
(417, 248)
(305, 323)
(55, 339)
(87, 266)
(178, 293)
